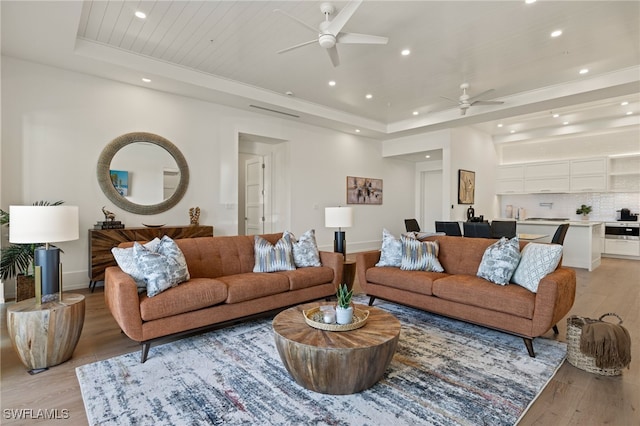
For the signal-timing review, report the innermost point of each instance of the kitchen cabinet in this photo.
(622, 247)
(546, 177)
(624, 173)
(588, 175)
(547, 185)
(510, 179)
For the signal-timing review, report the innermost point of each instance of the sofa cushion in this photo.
(305, 249)
(162, 269)
(419, 255)
(197, 293)
(308, 277)
(254, 285)
(391, 251)
(273, 257)
(475, 291)
(500, 261)
(537, 261)
(415, 281)
(127, 262)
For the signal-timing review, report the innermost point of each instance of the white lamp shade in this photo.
(338, 217)
(43, 224)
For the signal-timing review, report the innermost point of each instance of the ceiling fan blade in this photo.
(355, 38)
(455, 101)
(471, 99)
(487, 103)
(333, 54)
(343, 17)
(297, 45)
(304, 24)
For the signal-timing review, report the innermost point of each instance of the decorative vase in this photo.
(344, 315)
(585, 217)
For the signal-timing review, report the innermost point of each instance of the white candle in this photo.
(329, 317)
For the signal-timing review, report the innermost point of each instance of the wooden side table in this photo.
(46, 335)
(349, 273)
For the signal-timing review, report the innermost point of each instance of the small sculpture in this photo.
(107, 214)
(194, 216)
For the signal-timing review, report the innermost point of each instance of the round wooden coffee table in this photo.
(336, 362)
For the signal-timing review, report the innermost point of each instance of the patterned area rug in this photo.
(444, 372)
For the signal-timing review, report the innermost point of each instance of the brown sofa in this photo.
(222, 288)
(460, 294)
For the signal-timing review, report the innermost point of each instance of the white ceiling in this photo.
(225, 51)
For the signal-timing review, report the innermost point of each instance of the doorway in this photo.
(431, 199)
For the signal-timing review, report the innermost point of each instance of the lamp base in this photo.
(339, 243)
(49, 261)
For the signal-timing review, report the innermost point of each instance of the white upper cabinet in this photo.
(624, 174)
(547, 177)
(589, 175)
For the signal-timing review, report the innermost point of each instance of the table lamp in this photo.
(338, 217)
(44, 225)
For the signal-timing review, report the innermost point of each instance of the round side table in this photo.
(45, 335)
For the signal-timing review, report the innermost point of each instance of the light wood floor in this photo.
(573, 397)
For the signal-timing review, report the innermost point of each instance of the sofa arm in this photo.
(554, 299)
(334, 261)
(364, 261)
(121, 297)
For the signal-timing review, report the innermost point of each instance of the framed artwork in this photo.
(466, 186)
(362, 190)
(120, 181)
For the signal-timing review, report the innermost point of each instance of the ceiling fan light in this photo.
(327, 40)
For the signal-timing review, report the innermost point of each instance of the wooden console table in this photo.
(101, 241)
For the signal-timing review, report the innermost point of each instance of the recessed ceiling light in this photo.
(624, 103)
(556, 115)
(405, 52)
(332, 83)
(529, 1)
(584, 70)
(500, 124)
(556, 33)
(357, 130)
(629, 112)
(512, 131)
(415, 113)
(565, 123)
(146, 80)
(140, 14)
(368, 96)
(427, 156)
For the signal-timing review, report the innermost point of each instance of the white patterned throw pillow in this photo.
(391, 251)
(127, 262)
(305, 250)
(537, 261)
(273, 257)
(420, 255)
(162, 269)
(500, 261)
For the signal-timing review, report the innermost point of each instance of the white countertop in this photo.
(585, 223)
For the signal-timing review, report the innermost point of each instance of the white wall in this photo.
(56, 123)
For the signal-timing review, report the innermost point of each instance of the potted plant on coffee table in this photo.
(16, 260)
(344, 310)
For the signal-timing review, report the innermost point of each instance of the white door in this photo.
(431, 185)
(254, 196)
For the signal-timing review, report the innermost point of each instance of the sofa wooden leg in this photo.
(555, 329)
(371, 300)
(529, 344)
(145, 351)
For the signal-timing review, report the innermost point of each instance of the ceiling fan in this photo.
(465, 101)
(330, 31)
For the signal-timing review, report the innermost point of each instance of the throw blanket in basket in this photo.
(609, 344)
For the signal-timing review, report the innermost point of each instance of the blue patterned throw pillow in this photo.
(305, 250)
(162, 269)
(127, 262)
(420, 255)
(391, 251)
(538, 260)
(500, 261)
(273, 257)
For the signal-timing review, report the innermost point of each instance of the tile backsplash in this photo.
(604, 205)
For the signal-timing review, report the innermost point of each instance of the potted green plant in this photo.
(16, 260)
(584, 210)
(344, 310)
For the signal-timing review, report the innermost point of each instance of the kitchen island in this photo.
(582, 244)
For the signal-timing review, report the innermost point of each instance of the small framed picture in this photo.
(362, 190)
(466, 186)
(120, 181)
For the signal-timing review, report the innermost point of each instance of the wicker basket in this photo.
(575, 356)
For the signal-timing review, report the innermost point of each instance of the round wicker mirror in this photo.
(107, 185)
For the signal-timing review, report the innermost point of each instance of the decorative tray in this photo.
(314, 317)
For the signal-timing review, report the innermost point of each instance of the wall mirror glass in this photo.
(142, 173)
